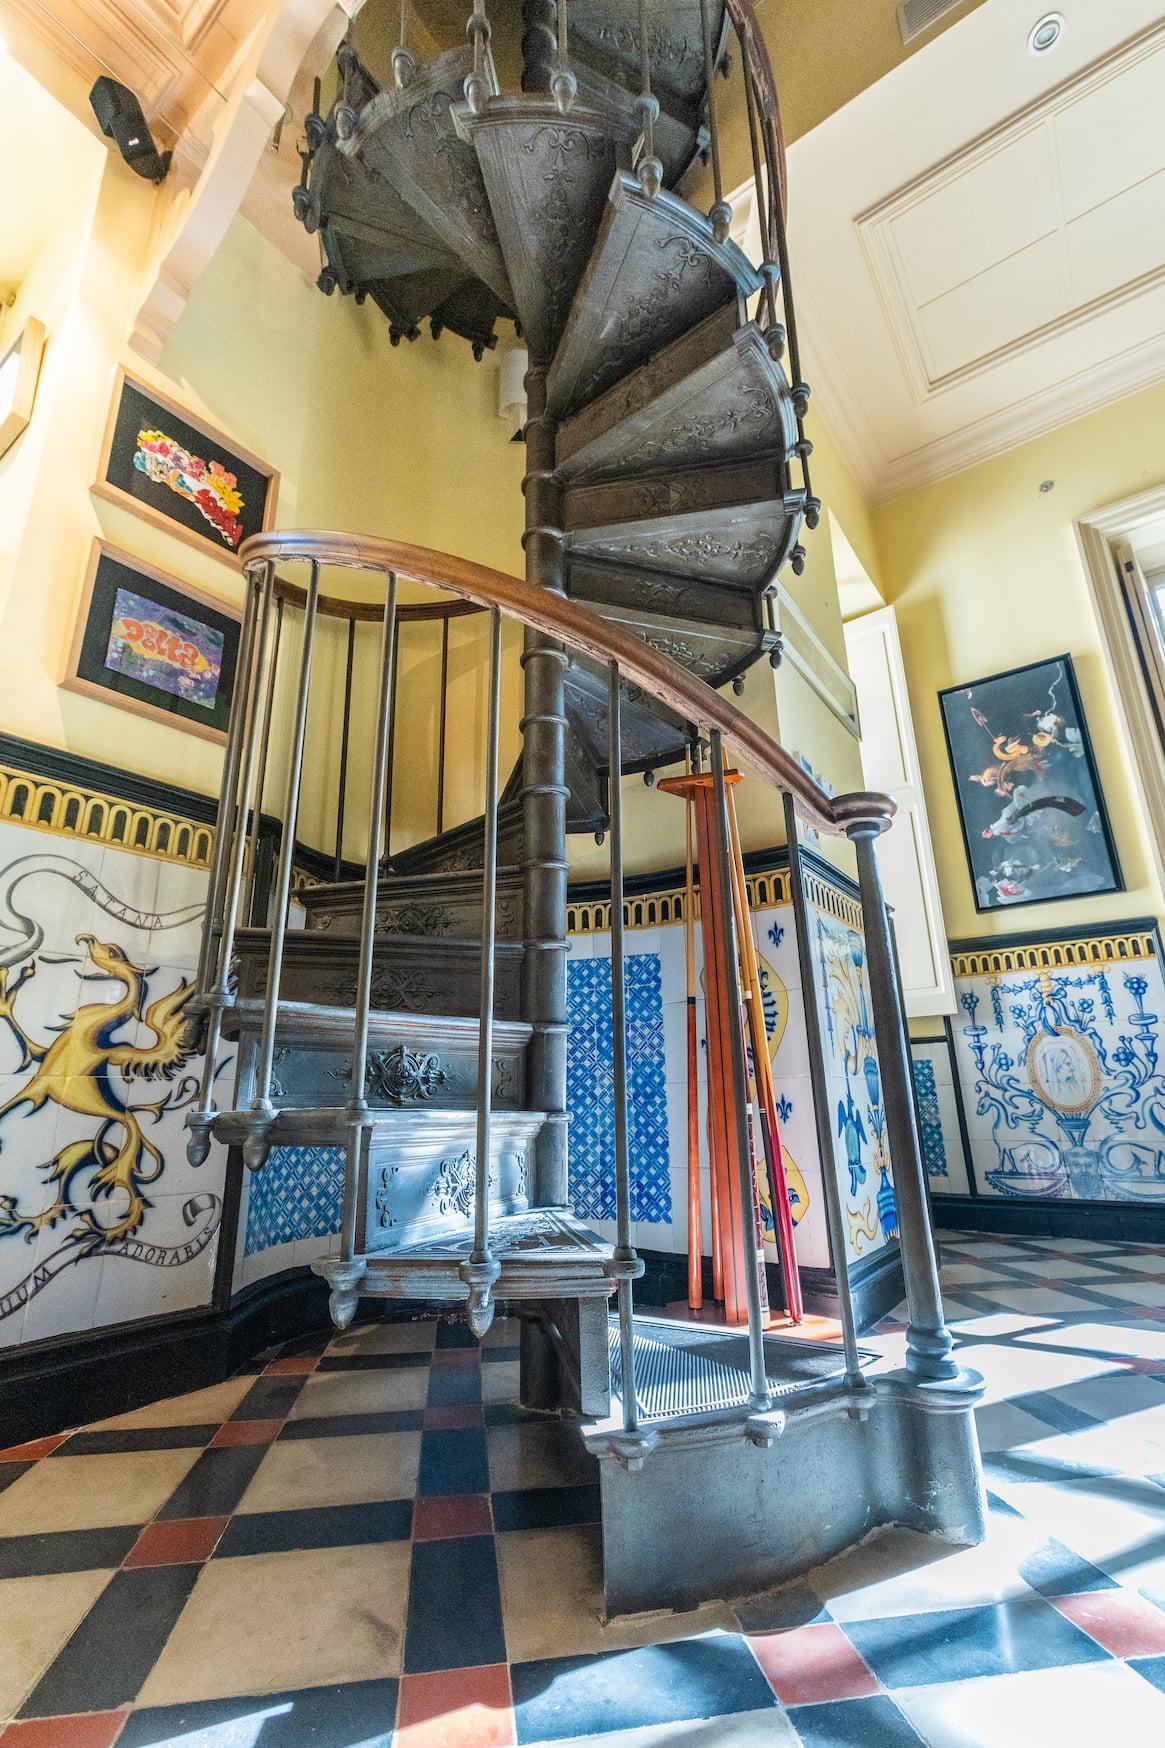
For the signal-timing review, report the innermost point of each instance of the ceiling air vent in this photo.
(915, 16)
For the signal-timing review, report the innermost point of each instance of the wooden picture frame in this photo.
(178, 665)
(192, 481)
(19, 375)
(1035, 826)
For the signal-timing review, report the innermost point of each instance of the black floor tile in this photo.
(494, 1354)
(1055, 1570)
(137, 1438)
(854, 1723)
(454, 1384)
(269, 1399)
(559, 1697)
(455, 1607)
(356, 1712)
(117, 1644)
(545, 1507)
(1006, 1638)
(373, 1362)
(1152, 1668)
(1045, 1405)
(455, 1334)
(510, 1414)
(342, 1425)
(454, 1462)
(10, 1472)
(327, 1526)
(216, 1483)
(86, 1550)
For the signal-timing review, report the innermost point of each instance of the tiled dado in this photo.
(1055, 1054)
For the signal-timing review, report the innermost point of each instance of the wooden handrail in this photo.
(568, 622)
(335, 607)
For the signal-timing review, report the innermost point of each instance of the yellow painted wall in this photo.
(984, 573)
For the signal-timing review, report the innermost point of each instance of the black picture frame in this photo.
(182, 664)
(190, 479)
(1031, 808)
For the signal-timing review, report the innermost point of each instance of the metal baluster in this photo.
(775, 335)
(625, 1256)
(563, 84)
(441, 730)
(391, 750)
(227, 820)
(342, 795)
(257, 914)
(256, 1146)
(482, 1269)
(345, 1279)
(481, 84)
(800, 388)
(928, 1340)
(649, 169)
(199, 1120)
(834, 1213)
(720, 217)
(404, 66)
(759, 1396)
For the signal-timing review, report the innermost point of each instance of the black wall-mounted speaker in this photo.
(122, 120)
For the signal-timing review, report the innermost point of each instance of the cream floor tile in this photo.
(1047, 1708)
(68, 1493)
(1150, 1293)
(537, 1454)
(904, 1573)
(551, 1583)
(198, 1408)
(37, 1616)
(303, 1472)
(500, 1381)
(387, 1338)
(375, 1392)
(265, 1622)
(1039, 1299)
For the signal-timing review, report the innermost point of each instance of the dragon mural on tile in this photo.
(1064, 1070)
(94, 1187)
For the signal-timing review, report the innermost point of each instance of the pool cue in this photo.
(763, 1073)
(695, 1233)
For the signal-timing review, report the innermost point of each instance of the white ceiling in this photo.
(978, 241)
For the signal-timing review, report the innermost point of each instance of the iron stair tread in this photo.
(543, 1253)
(652, 734)
(547, 176)
(301, 1125)
(308, 1017)
(745, 544)
(714, 395)
(605, 583)
(607, 89)
(608, 32)
(714, 653)
(408, 136)
(655, 272)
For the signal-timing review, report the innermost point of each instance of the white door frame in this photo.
(1098, 536)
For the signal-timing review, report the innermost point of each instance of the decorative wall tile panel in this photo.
(590, 1090)
(298, 1194)
(943, 1150)
(1060, 1057)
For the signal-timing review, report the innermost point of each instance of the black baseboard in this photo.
(74, 1379)
(1124, 1222)
(876, 1284)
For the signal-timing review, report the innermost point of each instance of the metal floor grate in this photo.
(684, 1369)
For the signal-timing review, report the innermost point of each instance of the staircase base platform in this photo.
(711, 1499)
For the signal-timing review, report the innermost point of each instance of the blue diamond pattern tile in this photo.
(930, 1119)
(590, 1090)
(298, 1194)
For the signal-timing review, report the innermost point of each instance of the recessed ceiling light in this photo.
(1045, 33)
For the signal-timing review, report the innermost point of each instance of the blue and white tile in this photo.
(1043, 1708)
(148, 1282)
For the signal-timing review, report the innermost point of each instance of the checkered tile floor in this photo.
(366, 1543)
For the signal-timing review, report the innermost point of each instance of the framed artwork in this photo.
(1034, 822)
(19, 373)
(151, 644)
(181, 474)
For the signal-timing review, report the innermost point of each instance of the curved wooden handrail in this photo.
(335, 607)
(568, 622)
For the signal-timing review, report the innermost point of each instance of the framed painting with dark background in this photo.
(1035, 827)
(181, 474)
(149, 643)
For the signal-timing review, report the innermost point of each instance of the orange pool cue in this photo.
(695, 1230)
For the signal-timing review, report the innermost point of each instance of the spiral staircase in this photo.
(418, 1020)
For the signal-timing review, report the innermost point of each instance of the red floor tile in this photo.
(810, 1665)
(448, 1416)
(179, 1541)
(452, 1514)
(33, 1450)
(294, 1366)
(1120, 1620)
(456, 1708)
(87, 1730)
(246, 1432)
